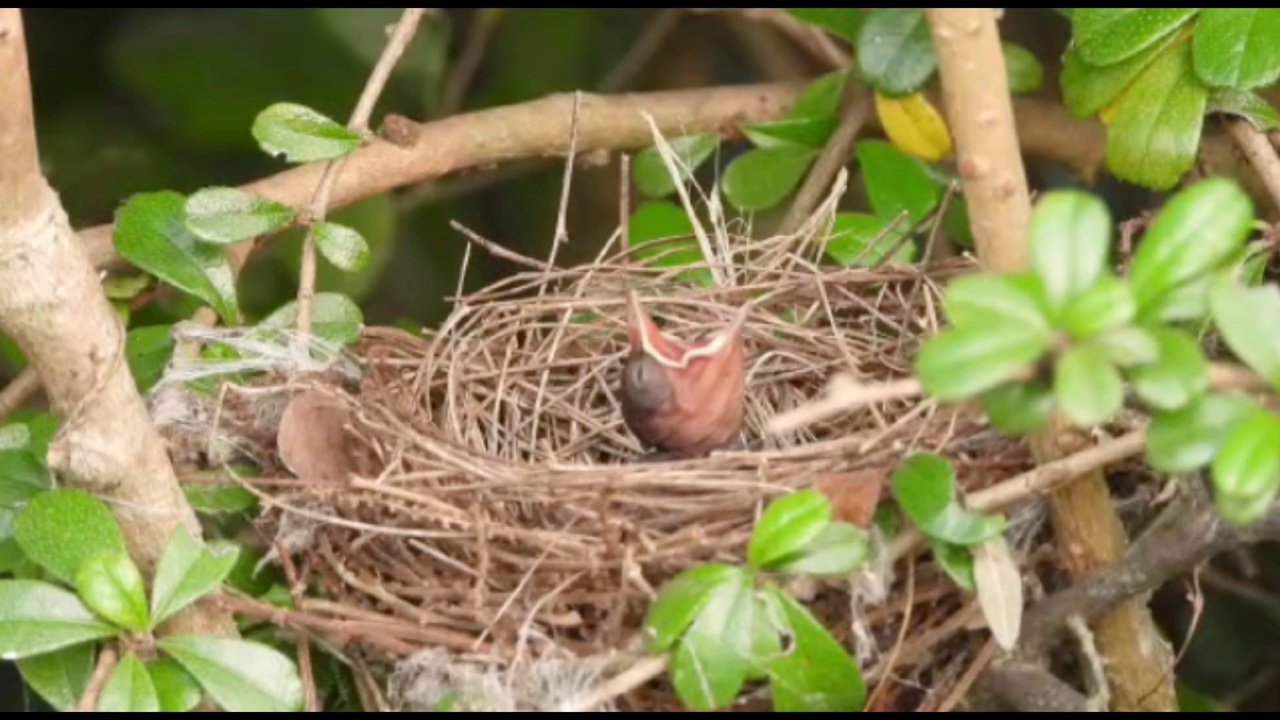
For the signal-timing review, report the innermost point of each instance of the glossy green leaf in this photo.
(924, 486)
(59, 677)
(1018, 408)
(817, 675)
(837, 549)
(682, 599)
(22, 477)
(240, 676)
(1087, 89)
(976, 299)
(1249, 321)
(219, 499)
(866, 240)
(1187, 439)
(896, 182)
(787, 526)
(334, 317)
(841, 22)
(36, 618)
(714, 657)
(1110, 35)
(895, 51)
(225, 215)
(1244, 104)
(668, 222)
(186, 571)
(1179, 375)
(1070, 240)
(1087, 386)
(961, 363)
(1246, 473)
(1128, 346)
(956, 561)
(111, 585)
(176, 690)
(148, 351)
(1155, 134)
(1199, 229)
(1237, 48)
(1022, 69)
(650, 172)
(125, 287)
(1107, 305)
(343, 246)
(809, 132)
(151, 233)
(129, 688)
(61, 529)
(297, 134)
(821, 98)
(759, 179)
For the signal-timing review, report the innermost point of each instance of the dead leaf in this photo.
(853, 496)
(999, 586)
(312, 441)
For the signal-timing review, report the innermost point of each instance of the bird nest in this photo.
(471, 504)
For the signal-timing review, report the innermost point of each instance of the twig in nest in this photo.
(359, 122)
(310, 702)
(908, 605)
(644, 670)
(107, 660)
(843, 394)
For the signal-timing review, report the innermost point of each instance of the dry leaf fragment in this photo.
(312, 440)
(998, 583)
(854, 495)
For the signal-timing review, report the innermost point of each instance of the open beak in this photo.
(645, 335)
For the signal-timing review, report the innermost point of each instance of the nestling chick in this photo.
(685, 399)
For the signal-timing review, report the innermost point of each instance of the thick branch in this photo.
(1090, 536)
(53, 307)
(1257, 149)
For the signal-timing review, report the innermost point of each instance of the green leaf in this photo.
(714, 657)
(1018, 408)
(865, 239)
(1236, 47)
(129, 688)
(821, 98)
(759, 179)
(1199, 229)
(36, 618)
(297, 134)
(22, 477)
(961, 363)
(148, 350)
(1022, 69)
(1070, 239)
(1246, 473)
(895, 51)
(185, 572)
(1155, 134)
(809, 132)
(111, 585)
(976, 299)
(1187, 439)
(125, 287)
(817, 675)
(1244, 104)
(1179, 375)
(787, 526)
(1108, 305)
(219, 499)
(151, 233)
(341, 245)
(682, 599)
(1088, 387)
(1128, 346)
(924, 486)
(766, 643)
(225, 215)
(654, 221)
(333, 317)
(838, 549)
(1249, 321)
(841, 22)
(1109, 35)
(176, 690)
(956, 561)
(62, 529)
(59, 677)
(896, 182)
(650, 172)
(241, 676)
(1087, 89)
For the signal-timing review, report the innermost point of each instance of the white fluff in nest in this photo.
(433, 680)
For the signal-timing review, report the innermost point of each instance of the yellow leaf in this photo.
(914, 126)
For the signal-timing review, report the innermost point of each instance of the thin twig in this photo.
(483, 23)
(359, 122)
(855, 104)
(310, 701)
(645, 48)
(106, 664)
(641, 672)
(19, 390)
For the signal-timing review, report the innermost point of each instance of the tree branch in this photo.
(108, 658)
(1090, 536)
(1257, 149)
(53, 307)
